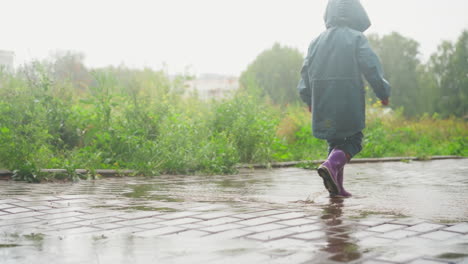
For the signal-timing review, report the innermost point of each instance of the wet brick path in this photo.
(266, 216)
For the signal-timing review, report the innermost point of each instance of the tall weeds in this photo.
(138, 119)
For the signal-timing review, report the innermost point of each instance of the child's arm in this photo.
(372, 70)
(304, 90)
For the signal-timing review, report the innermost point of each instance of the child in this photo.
(333, 88)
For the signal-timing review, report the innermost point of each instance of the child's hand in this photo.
(310, 108)
(385, 102)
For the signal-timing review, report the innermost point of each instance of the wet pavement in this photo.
(413, 213)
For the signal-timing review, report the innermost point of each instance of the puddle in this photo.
(150, 192)
(394, 191)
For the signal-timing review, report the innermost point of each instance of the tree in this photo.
(400, 61)
(276, 73)
(69, 67)
(450, 68)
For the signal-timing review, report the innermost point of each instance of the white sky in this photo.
(208, 36)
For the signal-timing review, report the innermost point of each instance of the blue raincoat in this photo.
(332, 73)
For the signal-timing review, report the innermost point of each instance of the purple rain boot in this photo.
(343, 192)
(330, 169)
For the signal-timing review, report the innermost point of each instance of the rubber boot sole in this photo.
(330, 185)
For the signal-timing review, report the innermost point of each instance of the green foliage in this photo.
(399, 57)
(439, 86)
(250, 123)
(449, 66)
(118, 118)
(275, 72)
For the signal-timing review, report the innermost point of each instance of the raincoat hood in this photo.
(349, 13)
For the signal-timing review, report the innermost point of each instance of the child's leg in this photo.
(350, 146)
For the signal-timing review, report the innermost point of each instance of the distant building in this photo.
(6, 60)
(212, 86)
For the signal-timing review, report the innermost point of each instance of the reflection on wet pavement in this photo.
(339, 243)
(401, 213)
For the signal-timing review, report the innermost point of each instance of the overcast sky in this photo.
(208, 36)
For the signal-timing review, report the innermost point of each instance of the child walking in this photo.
(333, 88)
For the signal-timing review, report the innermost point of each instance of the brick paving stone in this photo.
(250, 257)
(220, 228)
(244, 216)
(428, 261)
(160, 231)
(40, 207)
(36, 199)
(63, 226)
(3, 213)
(209, 208)
(138, 214)
(398, 234)
(398, 257)
(372, 261)
(310, 235)
(16, 210)
(385, 228)
(291, 215)
(374, 222)
(229, 234)
(407, 221)
(112, 226)
(10, 222)
(101, 215)
(303, 228)
(100, 221)
(59, 221)
(290, 243)
(8, 201)
(62, 210)
(19, 216)
(411, 241)
(128, 230)
(263, 228)
(73, 196)
(270, 235)
(294, 258)
(462, 239)
(213, 215)
(298, 221)
(258, 221)
(192, 226)
(459, 228)
(439, 235)
(179, 221)
(267, 213)
(139, 221)
(150, 226)
(374, 242)
(170, 216)
(48, 216)
(29, 204)
(218, 221)
(313, 217)
(189, 234)
(74, 202)
(363, 234)
(425, 227)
